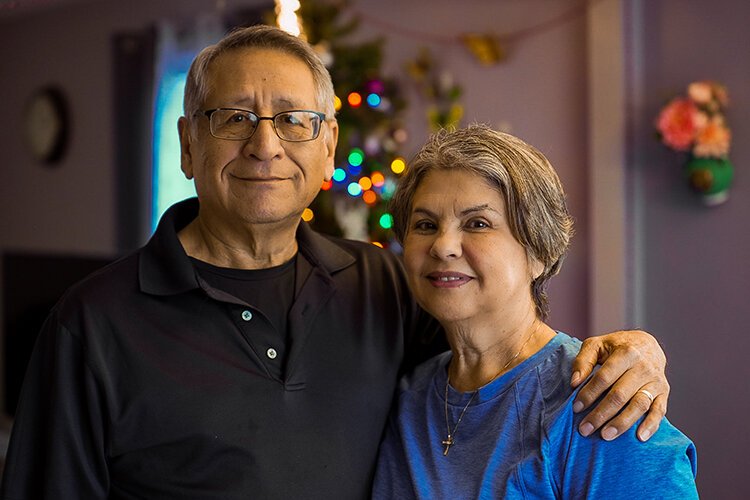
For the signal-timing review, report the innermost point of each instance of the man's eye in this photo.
(290, 119)
(237, 118)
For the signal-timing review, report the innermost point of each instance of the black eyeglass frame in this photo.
(207, 113)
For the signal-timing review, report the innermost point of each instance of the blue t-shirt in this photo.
(519, 439)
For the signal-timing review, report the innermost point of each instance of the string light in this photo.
(307, 215)
(326, 185)
(356, 157)
(354, 189)
(365, 182)
(339, 175)
(373, 100)
(377, 244)
(354, 99)
(286, 17)
(398, 165)
(336, 103)
(378, 179)
(369, 197)
(386, 221)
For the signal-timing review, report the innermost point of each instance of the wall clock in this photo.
(46, 125)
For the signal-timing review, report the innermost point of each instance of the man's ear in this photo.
(331, 140)
(186, 154)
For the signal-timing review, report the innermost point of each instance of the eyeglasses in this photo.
(238, 124)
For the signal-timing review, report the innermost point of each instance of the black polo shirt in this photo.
(143, 383)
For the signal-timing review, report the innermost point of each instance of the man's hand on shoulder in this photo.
(633, 369)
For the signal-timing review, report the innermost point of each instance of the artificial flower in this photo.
(713, 140)
(676, 124)
(695, 123)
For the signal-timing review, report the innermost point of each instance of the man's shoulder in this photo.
(337, 253)
(110, 282)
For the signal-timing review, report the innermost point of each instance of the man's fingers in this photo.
(639, 404)
(586, 360)
(602, 380)
(651, 423)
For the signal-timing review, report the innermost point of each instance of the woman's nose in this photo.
(447, 245)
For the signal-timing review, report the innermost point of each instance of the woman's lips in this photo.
(445, 279)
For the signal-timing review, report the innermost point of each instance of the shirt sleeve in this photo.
(57, 441)
(663, 467)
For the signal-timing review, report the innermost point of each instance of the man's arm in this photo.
(57, 444)
(633, 366)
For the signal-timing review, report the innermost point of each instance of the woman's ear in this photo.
(536, 268)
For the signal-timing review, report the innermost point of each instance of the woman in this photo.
(483, 222)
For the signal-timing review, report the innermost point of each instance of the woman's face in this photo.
(461, 257)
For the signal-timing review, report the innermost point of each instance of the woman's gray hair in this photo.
(534, 198)
(261, 37)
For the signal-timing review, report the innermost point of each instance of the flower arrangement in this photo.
(695, 124)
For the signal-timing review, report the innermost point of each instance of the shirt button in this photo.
(271, 353)
(247, 315)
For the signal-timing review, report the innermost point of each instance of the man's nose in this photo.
(264, 144)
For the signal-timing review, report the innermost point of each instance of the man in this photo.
(239, 354)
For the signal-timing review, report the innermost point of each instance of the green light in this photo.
(386, 221)
(356, 157)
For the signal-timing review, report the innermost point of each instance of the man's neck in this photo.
(257, 246)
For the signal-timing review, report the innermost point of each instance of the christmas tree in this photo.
(369, 107)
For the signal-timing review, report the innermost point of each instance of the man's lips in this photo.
(257, 178)
(448, 279)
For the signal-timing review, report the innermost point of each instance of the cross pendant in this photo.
(447, 442)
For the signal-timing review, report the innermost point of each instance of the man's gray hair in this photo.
(262, 37)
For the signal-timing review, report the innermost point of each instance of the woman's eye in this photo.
(424, 225)
(478, 224)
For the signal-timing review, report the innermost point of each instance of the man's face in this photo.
(262, 179)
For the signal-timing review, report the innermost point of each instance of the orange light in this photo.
(366, 183)
(369, 197)
(307, 215)
(354, 99)
(377, 244)
(378, 179)
(326, 185)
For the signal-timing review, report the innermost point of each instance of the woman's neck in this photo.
(481, 357)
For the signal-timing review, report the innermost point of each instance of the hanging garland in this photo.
(487, 48)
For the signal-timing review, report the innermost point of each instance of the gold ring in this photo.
(648, 395)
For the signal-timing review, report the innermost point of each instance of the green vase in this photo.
(711, 178)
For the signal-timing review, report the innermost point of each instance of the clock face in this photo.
(46, 125)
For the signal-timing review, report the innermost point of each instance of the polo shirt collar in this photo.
(165, 269)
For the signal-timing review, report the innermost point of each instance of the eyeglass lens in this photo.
(289, 126)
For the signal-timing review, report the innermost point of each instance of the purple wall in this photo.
(694, 260)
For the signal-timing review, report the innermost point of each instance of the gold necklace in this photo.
(449, 441)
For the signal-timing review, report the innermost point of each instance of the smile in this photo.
(448, 279)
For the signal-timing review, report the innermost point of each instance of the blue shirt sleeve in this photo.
(663, 467)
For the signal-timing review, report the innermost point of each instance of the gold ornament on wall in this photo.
(487, 49)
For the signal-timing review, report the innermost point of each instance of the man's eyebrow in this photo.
(281, 103)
